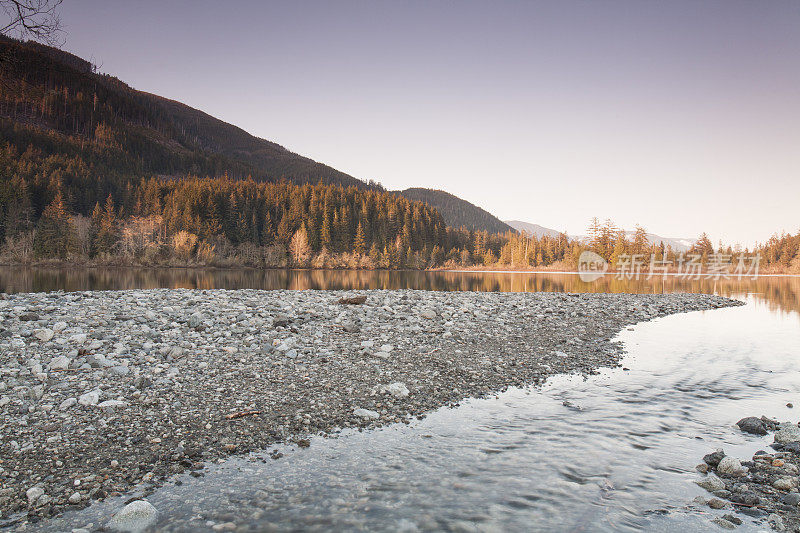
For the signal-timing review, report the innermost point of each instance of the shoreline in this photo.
(112, 389)
(57, 264)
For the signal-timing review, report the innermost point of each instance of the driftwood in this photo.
(353, 300)
(240, 414)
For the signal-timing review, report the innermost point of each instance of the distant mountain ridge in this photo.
(456, 212)
(677, 244)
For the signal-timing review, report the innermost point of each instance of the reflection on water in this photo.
(614, 452)
(780, 292)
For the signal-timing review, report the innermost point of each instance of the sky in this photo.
(682, 117)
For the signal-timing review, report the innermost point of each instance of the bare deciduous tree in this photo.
(32, 19)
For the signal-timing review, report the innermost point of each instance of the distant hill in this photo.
(677, 244)
(54, 101)
(457, 212)
(532, 229)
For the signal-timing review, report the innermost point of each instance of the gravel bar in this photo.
(102, 391)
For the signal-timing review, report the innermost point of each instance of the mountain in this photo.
(677, 244)
(534, 230)
(457, 212)
(55, 101)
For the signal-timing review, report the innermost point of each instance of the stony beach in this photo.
(765, 486)
(102, 391)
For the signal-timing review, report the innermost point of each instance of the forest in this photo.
(93, 171)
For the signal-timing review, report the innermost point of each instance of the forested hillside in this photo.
(54, 101)
(457, 212)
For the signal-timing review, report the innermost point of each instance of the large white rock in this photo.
(711, 483)
(90, 398)
(397, 390)
(34, 493)
(730, 466)
(60, 363)
(134, 517)
(112, 404)
(44, 335)
(366, 413)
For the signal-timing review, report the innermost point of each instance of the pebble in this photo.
(366, 413)
(730, 466)
(134, 517)
(788, 433)
(711, 483)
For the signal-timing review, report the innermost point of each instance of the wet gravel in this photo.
(102, 391)
(765, 487)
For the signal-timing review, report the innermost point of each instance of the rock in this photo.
(99, 361)
(776, 522)
(396, 390)
(44, 335)
(66, 404)
(724, 524)
(711, 483)
(702, 468)
(28, 317)
(730, 466)
(90, 398)
(784, 483)
(753, 425)
(60, 363)
(280, 321)
(196, 319)
(351, 326)
(732, 519)
(788, 433)
(33, 494)
(111, 404)
(367, 344)
(119, 370)
(78, 338)
(713, 458)
(429, 314)
(366, 413)
(134, 517)
(75, 498)
(386, 348)
(58, 327)
(793, 498)
(353, 300)
(716, 503)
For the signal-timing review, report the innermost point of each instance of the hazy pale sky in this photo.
(680, 116)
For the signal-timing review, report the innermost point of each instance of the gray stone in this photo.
(44, 335)
(60, 363)
(366, 413)
(66, 404)
(112, 404)
(784, 483)
(730, 466)
(788, 433)
(396, 390)
(33, 494)
(134, 517)
(711, 483)
(753, 425)
(90, 398)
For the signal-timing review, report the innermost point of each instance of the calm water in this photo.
(615, 452)
(780, 292)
